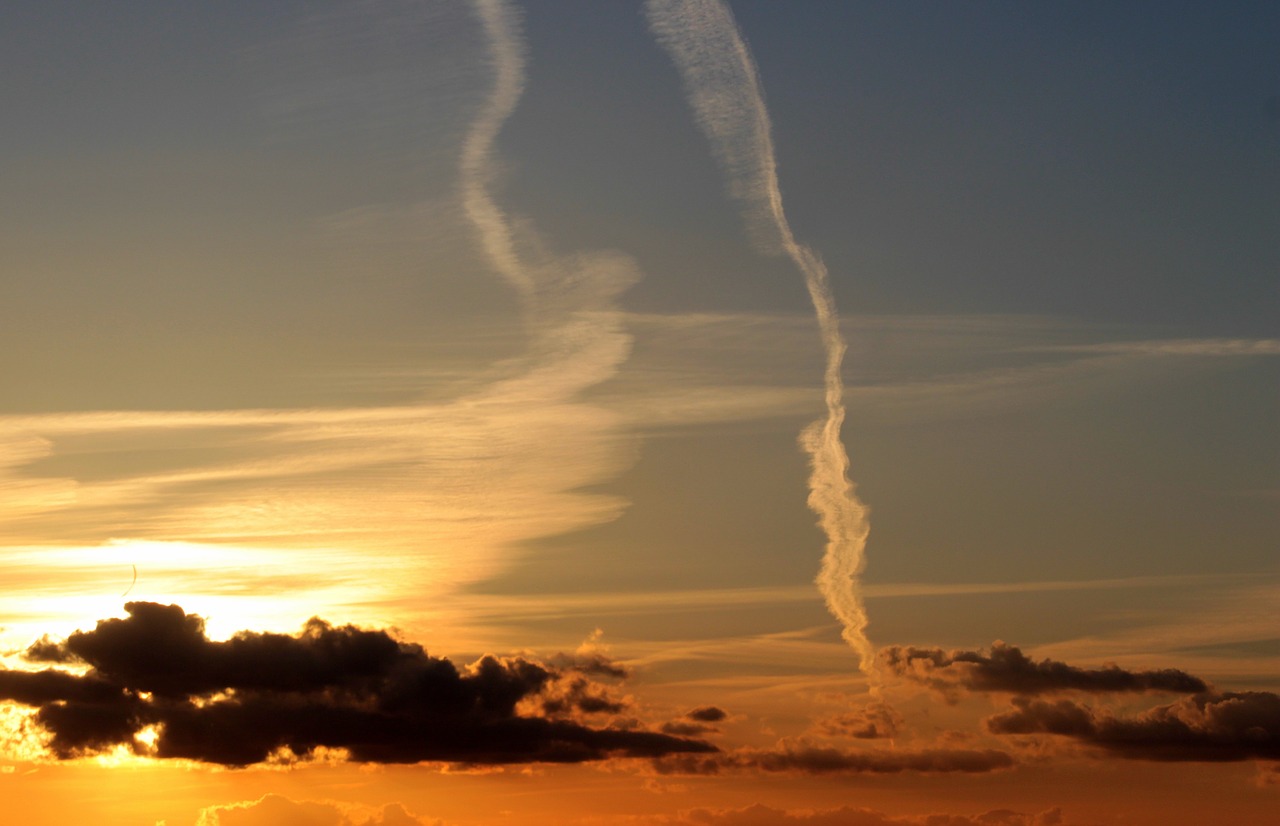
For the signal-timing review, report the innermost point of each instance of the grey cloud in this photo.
(1006, 668)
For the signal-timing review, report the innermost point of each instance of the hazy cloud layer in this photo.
(274, 810)
(804, 758)
(1006, 668)
(760, 815)
(258, 695)
(1230, 726)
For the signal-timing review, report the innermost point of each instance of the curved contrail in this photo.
(502, 32)
(131, 584)
(723, 86)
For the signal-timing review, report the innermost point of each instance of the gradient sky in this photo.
(468, 323)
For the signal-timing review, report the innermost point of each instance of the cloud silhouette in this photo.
(259, 695)
(1005, 668)
(1209, 727)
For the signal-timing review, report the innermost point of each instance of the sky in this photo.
(663, 413)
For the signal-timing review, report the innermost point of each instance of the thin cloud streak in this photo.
(723, 85)
(616, 603)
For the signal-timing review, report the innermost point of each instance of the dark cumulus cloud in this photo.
(1210, 727)
(1006, 669)
(243, 700)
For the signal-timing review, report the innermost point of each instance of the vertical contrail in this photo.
(723, 85)
(476, 172)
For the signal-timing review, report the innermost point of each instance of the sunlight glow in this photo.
(59, 590)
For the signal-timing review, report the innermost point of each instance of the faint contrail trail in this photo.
(723, 85)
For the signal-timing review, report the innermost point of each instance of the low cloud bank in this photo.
(1230, 726)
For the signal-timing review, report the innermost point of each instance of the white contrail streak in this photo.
(723, 85)
(502, 32)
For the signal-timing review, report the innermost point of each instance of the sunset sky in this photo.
(664, 413)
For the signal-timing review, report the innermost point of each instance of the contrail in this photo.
(501, 29)
(131, 584)
(723, 86)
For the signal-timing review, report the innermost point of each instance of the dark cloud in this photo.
(46, 649)
(257, 694)
(1006, 668)
(37, 687)
(809, 759)
(873, 721)
(687, 728)
(759, 815)
(1204, 727)
(696, 722)
(274, 810)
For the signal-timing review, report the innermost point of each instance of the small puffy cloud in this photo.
(696, 721)
(274, 810)
(576, 696)
(592, 657)
(1230, 726)
(1006, 669)
(875, 720)
(259, 695)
